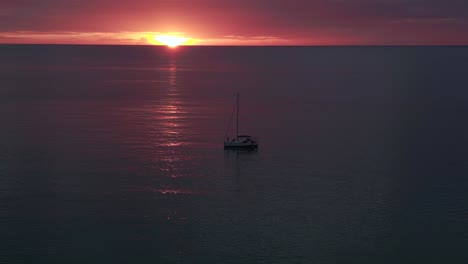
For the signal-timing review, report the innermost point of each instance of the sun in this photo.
(170, 41)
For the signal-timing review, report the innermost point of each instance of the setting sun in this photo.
(170, 41)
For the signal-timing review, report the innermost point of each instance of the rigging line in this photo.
(230, 120)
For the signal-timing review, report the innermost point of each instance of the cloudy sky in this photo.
(237, 22)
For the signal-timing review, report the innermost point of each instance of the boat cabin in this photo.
(241, 141)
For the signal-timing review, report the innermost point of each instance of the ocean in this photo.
(114, 154)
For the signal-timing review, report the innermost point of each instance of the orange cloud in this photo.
(132, 38)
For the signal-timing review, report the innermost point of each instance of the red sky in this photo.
(237, 22)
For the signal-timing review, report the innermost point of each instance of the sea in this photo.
(114, 154)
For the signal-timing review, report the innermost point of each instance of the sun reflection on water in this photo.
(170, 165)
(169, 112)
(165, 190)
(171, 129)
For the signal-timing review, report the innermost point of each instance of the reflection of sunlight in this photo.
(172, 75)
(164, 189)
(171, 111)
(171, 164)
(174, 144)
(170, 115)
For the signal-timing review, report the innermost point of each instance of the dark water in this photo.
(114, 155)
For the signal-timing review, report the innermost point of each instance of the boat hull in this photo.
(240, 145)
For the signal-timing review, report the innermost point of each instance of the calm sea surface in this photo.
(114, 154)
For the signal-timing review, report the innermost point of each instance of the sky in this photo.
(236, 22)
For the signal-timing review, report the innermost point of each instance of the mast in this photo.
(237, 123)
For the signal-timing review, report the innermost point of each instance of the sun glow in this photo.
(170, 41)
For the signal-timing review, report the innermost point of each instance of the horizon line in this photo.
(185, 46)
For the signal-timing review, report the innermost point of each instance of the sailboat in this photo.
(239, 141)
